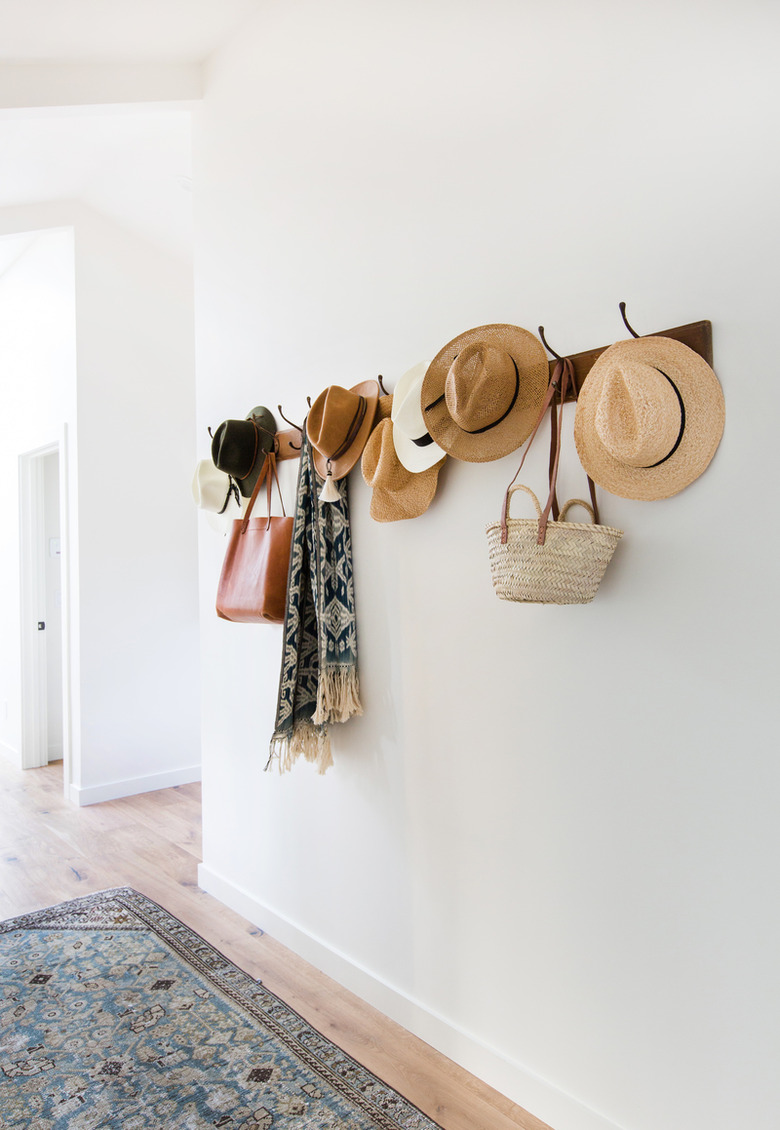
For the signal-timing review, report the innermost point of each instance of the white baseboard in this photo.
(536, 1095)
(131, 786)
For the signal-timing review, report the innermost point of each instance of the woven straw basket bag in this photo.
(539, 561)
(566, 568)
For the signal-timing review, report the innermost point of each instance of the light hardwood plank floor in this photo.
(51, 851)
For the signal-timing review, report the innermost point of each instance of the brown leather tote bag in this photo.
(253, 583)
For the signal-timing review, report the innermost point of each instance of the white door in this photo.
(44, 705)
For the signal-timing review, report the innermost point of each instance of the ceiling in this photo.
(131, 163)
(112, 30)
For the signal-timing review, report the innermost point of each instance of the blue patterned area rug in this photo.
(115, 1014)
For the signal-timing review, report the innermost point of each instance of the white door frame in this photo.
(32, 551)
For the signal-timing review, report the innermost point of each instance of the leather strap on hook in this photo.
(562, 379)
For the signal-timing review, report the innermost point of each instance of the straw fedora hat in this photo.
(650, 415)
(397, 493)
(238, 447)
(414, 444)
(482, 393)
(339, 424)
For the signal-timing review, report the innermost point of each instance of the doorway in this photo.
(44, 627)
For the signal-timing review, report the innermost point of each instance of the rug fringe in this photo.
(338, 695)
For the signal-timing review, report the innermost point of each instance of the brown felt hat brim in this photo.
(506, 436)
(341, 467)
(705, 414)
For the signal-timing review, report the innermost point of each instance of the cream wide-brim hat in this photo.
(211, 492)
(488, 418)
(650, 415)
(414, 445)
(397, 493)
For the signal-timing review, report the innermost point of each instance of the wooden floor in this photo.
(51, 851)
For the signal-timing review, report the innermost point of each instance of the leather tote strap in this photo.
(267, 475)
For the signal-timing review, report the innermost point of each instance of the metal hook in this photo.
(625, 319)
(297, 427)
(382, 385)
(557, 356)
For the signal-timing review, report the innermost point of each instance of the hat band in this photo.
(423, 441)
(682, 422)
(232, 492)
(354, 428)
(481, 431)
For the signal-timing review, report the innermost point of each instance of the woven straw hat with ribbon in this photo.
(482, 392)
(397, 493)
(650, 416)
(239, 447)
(338, 426)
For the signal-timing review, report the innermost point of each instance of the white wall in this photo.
(551, 844)
(139, 623)
(133, 531)
(38, 365)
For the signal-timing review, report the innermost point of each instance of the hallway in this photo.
(51, 851)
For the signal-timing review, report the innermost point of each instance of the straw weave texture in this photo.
(567, 569)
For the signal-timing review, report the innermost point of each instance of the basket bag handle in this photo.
(561, 375)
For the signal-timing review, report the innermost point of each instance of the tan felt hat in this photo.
(650, 415)
(339, 423)
(482, 393)
(397, 493)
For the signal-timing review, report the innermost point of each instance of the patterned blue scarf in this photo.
(318, 683)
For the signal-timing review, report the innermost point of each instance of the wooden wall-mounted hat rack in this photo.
(288, 444)
(696, 335)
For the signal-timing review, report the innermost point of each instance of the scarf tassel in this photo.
(310, 742)
(330, 492)
(338, 695)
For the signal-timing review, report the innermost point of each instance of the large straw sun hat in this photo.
(650, 416)
(482, 392)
